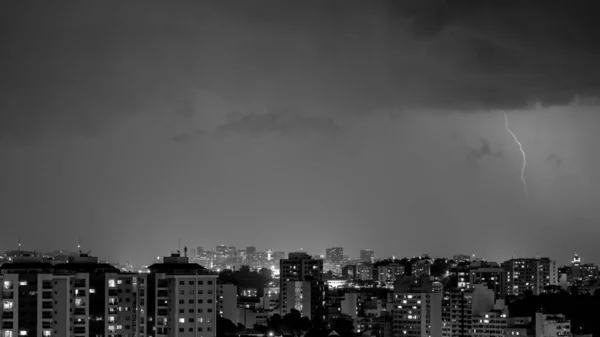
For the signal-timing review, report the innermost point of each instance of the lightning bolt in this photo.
(522, 152)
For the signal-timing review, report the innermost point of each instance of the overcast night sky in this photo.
(300, 124)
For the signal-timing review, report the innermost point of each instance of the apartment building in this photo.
(182, 299)
(417, 308)
(80, 298)
(299, 271)
(532, 274)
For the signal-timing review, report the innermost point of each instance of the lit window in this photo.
(7, 305)
(92, 291)
(120, 282)
(47, 333)
(8, 285)
(23, 283)
(182, 320)
(23, 333)
(7, 334)
(111, 283)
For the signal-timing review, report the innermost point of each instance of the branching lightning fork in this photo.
(522, 152)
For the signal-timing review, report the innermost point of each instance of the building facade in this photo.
(80, 298)
(302, 267)
(182, 299)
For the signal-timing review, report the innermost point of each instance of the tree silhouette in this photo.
(343, 326)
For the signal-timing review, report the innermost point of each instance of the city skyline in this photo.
(191, 251)
(384, 125)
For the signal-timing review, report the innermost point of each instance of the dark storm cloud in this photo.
(279, 123)
(75, 66)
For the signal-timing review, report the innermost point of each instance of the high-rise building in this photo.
(270, 298)
(389, 272)
(492, 276)
(417, 308)
(182, 299)
(575, 264)
(588, 270)
(364, 271)
(299, 266)
(548, 273)
(80, 298)
(530, 274)
(227, 301)
(367, 255)
(460, 307)
(334, 255)
(349, 305)
(491, 324)
(297, 295)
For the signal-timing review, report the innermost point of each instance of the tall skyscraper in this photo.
(367, 255)
(299, 266)
(575, 266)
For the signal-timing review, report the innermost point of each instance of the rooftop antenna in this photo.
(79, 245)
(19, 246)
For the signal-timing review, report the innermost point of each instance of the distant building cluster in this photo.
(179, 296)
(230, 257)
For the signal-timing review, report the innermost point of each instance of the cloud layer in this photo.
(74, 67)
